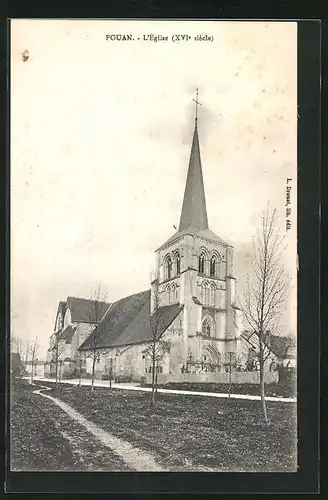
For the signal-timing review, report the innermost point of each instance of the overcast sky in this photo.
(100, 141)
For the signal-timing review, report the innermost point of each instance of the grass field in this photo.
(184, 430)
(43, 437)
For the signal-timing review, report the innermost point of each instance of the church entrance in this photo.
(211, 359)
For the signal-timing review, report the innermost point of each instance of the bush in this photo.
(106, 376)
(69, 376)
(273, 389)
(123, 378)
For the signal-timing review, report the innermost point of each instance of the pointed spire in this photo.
(194, 213)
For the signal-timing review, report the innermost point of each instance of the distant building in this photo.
(75, 320)
(277, 350)
(38, 368)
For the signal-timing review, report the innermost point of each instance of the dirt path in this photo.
(134, 457)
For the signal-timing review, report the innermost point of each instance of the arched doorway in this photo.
(211, 359)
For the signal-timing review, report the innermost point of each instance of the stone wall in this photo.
(216, 378)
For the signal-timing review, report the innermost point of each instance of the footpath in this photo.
(131, 386)
(134, 457)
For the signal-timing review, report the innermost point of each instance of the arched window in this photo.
(207, 328)
(177, 263)
(213, 266)
(201, 263)
(168, 268)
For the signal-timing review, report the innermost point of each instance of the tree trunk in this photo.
(32, 366)
(153, 379)
(229, 379)
(110, 373)
(262, 387)
(57, 371)
(80, 373)
(93, 375)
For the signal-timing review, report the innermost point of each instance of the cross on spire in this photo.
(197, 103)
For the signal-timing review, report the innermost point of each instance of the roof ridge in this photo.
(126, 297)
(84, 298)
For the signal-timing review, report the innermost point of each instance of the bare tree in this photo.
(110, 371)
(34, 350)
(27, 354)
(80, 361)
(58, 351)
(230, 365)
(17, 347)
(95, 314)
(267, 290)
(254, 353)
(159, 345)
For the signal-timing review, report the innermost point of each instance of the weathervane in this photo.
(197, 103)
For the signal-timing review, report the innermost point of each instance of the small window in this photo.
(201, 263)
(177, 262)
(205, 357)
(143, 356)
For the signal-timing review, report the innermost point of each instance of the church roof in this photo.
(83, 310)
(128, 322)
(194, 212)
(68, 334)
(206, 233)
(60, 309)
(193, 219)
(61, 306)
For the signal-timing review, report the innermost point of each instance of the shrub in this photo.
(123, 378)
(273, 389)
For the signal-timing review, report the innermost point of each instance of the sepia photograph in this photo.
(153, 279)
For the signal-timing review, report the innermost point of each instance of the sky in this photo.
(100, 140)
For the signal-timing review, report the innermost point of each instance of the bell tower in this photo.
(194, 268)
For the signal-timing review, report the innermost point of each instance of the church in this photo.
(193, 290)
(192, 296)
(188, 320)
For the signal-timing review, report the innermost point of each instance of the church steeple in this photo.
(193, 219)
(194, 213)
